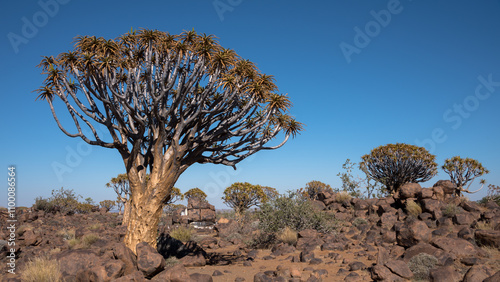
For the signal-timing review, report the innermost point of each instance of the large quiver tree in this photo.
(166, 102)
(396, 164)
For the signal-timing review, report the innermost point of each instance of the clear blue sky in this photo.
(360, 74)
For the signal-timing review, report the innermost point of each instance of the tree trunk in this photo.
(126, 212)
(146, 206)
(142, 225)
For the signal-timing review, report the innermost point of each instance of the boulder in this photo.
(73, 260)
(399, 268)
(176, 273)
(388, 220)
(455, 246)
(382, 273)
(488, 238)
(121, 252)
(432, 206)
(494, 278)
(413, 233)
(426, 193)
(463, 218)
(444, 274)
(448, 187)
(149, 261)
(198, 277)
(409, 190)
(477, 273)
(136, 276)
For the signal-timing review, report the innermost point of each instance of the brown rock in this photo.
(400, 268)
(421, 248)
(448, 187)
(176, 273)
(470, 206)
(136, 276)
(488, 238)
(413, 233)
(438, 193)
(121, 252)
(455, 246)
(477, 273)
(388, 220)
(207, 215)
(196, 259)
(494, 278)
(112, 269)
(308, 233)
(463, 218)
(444, 274)
(409, 190)
(31, 238)
(426, 193)
(71, 261)
(149, 261)
(432, 206)
(382, 273)
(198, 277)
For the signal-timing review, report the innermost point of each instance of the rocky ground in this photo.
(376, 240)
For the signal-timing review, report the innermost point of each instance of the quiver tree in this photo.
(241, 196)
(164, 102)
(122, 189)
(313, 188)
(195, 193)
(396, 164)
(463, 171)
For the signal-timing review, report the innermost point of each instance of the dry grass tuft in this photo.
(42, 269)
(413, 209)
(183, 234)
(287, 236)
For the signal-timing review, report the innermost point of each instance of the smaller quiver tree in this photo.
(195, 193)
(463, 171)
(120, 185)
(396, 164)
(241, 196)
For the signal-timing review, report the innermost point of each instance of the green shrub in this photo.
(421, 264)
(183, 234)
(65, 201)
(42, 269)
(295, 211)
(42, 204)
(413, 209)
(450, 210)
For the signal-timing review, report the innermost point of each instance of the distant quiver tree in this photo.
(463, 171)
(164, 102)
(396, 164)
